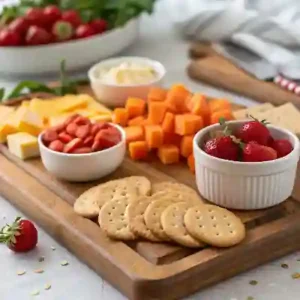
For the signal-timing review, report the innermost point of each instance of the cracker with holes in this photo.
(113, 220)
(90, 202)
(183, 191)
(135, 213)
(214, 225)
(172, 221)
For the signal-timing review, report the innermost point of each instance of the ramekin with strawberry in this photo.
(245, 164)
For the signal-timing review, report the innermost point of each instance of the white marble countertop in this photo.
(76, 281)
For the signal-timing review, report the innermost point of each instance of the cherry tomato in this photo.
(84, 31)
(35, 16)
(99, 25)
(19, 25)
(37, 36)
(51, 14)
(9, 38)
(72, 17)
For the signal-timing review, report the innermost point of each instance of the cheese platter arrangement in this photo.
(162, 195)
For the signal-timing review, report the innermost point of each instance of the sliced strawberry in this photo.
(74, 144)
(64, 137)
(57, 146)
(83, 131)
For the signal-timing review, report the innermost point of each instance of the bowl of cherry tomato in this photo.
(78, 150)
(36, 41)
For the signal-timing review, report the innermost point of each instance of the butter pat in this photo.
(23, 145)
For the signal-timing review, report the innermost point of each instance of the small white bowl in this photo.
(116, 95)
(83, 167)
(245, 185)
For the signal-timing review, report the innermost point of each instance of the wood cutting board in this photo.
(208, 66)
(144, 270)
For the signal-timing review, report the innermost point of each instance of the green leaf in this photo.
(2, 93)
(28, 86)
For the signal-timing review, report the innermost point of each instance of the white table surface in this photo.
(76, 281)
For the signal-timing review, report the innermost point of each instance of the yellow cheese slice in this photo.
(4, 112)
(25, 103)
(23, 145)
(44, 108)
(70, 103)
(85, 112)
(56, 120)
(97, 106)
(101, 118)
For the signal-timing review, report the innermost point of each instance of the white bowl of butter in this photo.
(114, 80)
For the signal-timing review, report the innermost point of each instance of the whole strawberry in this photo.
(253, 152)
(222, 147)
(254, 131)
(20, 236)
(282, 147)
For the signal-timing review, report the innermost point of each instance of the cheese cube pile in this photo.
(33, 116)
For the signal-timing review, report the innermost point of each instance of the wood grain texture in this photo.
(211, 68)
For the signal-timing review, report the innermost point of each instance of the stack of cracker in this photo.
(286, 116)
(133, 208)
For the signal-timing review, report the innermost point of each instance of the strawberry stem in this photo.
(8, 232)
(264, 121)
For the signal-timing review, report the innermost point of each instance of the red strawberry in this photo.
(222, 147)
(21, 236)
(254, 131)
(253, 152)
(282, 147)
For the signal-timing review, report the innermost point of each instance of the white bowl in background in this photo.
(245, 185)
(25, 60)
(116, 95)
(83, 167)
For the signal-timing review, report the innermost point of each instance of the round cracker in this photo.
(90, 202)
(113, 220)
(135, 213)
(214, 225)
(172, 221)
(183, 191)
(153, 214)
(142, 184)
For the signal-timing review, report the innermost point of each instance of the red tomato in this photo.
(84, 31)
(56, 145)
(37, 36)
(9, 38)
(51, 14)
(35, 16)
(19, 25)
(99, 25)
(72, 17)
(106, 139)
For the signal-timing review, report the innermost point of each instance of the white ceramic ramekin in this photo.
(245, 185)
(83, 167)
(116, 95)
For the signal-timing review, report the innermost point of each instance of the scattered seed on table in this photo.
(38, 271)
(47, 286)
(253, 282)
(20, 273)
(35, 293)
(53, 248)
(41, 259)
(296, 275)
(64, 263)
(284, 266)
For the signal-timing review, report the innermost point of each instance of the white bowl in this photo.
(116, 95)
(77, 53)
(245, 185)
(83, 167)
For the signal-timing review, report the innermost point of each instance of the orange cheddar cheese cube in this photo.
(137, 121)
(221, 114)
(135, 107)
(168, 154)
(120, 116)
(168, 122)
(153, 136)
(219, 104)
(172, 138)
(156, 112)
(191, 163)
(138, 150)
(157, 94)
(198, 105)
(186, 145)
(134, 133)
(188, 124)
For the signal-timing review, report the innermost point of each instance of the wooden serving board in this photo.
(144, 270)
(208, 66)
